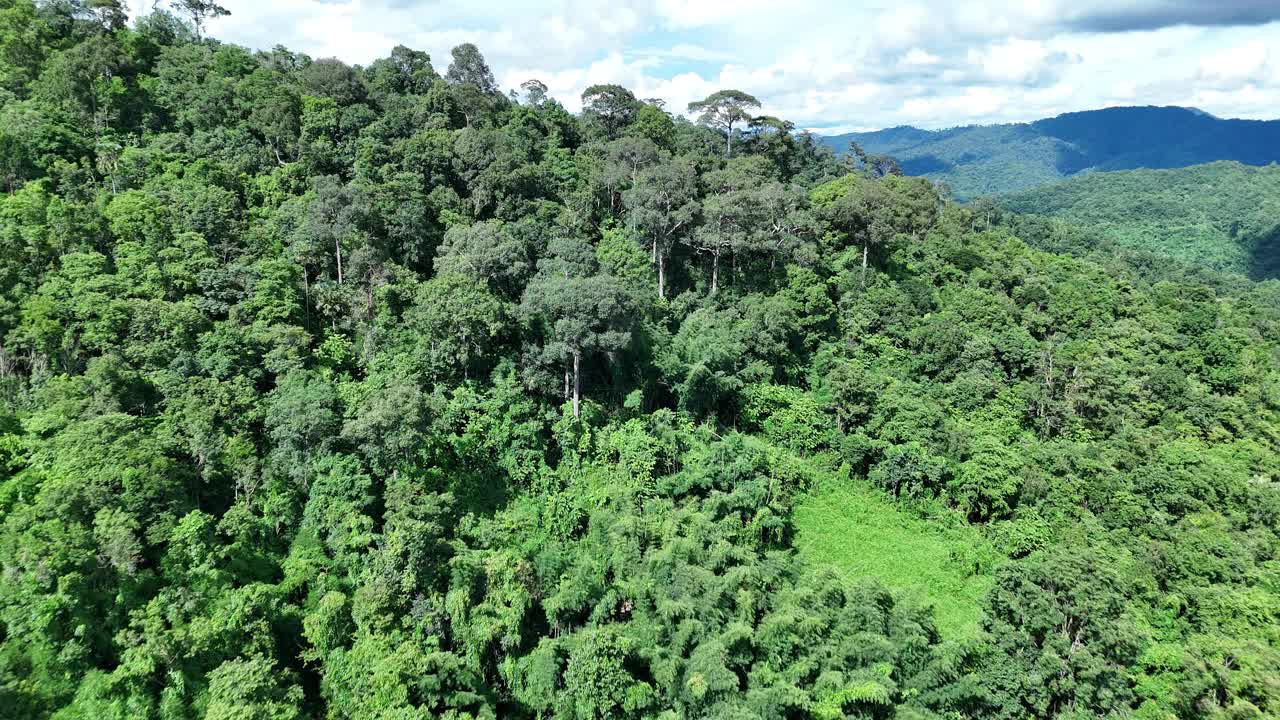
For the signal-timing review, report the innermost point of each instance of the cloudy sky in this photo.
(830, 66)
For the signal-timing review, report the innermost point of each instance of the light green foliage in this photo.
(988, 478)
(596, 682)
(287, 353)
(252, 690)
(786, 416)
(620, 256)
(850, 527)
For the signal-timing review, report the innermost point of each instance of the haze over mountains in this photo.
(980, 160)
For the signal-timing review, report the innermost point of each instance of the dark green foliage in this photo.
(355, 393)
(612, 107)
(722, 110)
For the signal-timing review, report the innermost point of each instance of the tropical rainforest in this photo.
(1224, 215)
(381, 393)
(979, 160)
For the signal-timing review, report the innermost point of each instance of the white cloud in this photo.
(567, 85)
(925, 62)
(904, 26)
(701, 13)
(686, 51)
(916, 56)
(1241, 102)
(1237, 65)
(1013, 61)
(971, 105)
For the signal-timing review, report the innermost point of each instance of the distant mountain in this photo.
(1220, 216)
(987, 159)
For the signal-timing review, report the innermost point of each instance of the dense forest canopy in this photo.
(1224, 215)
(978, 160)
(379, 393)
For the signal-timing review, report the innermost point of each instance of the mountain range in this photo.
(980, 160)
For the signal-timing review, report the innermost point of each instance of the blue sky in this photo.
(828, 66)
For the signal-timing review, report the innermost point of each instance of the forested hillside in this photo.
(1224, 216)
(380, 393)
(988, 159)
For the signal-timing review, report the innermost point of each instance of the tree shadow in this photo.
(1264, 255)
(482, 491)
(1071, 160)
(925, 164)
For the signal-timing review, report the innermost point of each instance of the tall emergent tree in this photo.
(580, 310)
(469, 68)
(731, 213)
(200, 11)
(862, 213)
(661, 204)
(110, 13)
(722, 110)
(474, 88)
(535, 91)
(613, 106)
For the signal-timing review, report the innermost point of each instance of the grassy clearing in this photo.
(857, 530)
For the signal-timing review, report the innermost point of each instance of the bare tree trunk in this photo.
(577, 383)
(662, 276)
(715, 273)
(337, 250)
(864, 264)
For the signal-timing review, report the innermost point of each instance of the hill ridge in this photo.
(999, 158)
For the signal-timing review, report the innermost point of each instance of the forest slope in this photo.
(1223, 216)
(362, 393)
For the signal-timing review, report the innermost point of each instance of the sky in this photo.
(827, 66)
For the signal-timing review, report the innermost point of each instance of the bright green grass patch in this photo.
(857, 530)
